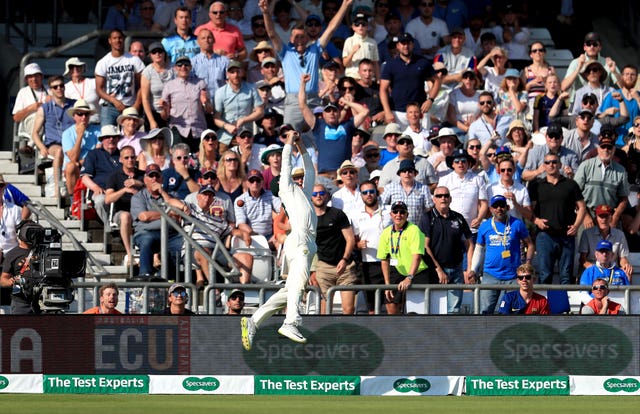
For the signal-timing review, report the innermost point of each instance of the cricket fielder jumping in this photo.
(299, 248)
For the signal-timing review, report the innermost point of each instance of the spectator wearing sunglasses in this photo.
(605, 267)
(178, 299)
(601, 304)
(592, 46)
(235, 302)
(558, 211)
(426, 173)
(524, 301)
(229, 39)
(603, 180)
(534, 168)
(498, 251)
(347, 198)
(595, 76)
(456, 58)
(181, 178)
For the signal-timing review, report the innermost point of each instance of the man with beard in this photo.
(108, 301)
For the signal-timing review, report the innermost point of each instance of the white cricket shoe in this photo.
(291, 331)
(248, 332)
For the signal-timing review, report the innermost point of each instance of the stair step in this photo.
(32, 191)
(46, 201)
(6, 155)
(21, 179)
(90, 247)
(8, 167)
(81, 236)
(69, 224)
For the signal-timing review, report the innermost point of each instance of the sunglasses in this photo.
(399, 212)
(509, 170)
(443, 72)
(405, 142)
(82, 114)
(302, 63)
(348, 88)
(475, 147)
(491, 154)
(542, 50)
(554, 136)
(599, 287)
(585, 117)
(469, 76)
(606, 147)
(154, 175)
(244, 136)
(231, 159)
(330, 109)
(180, 293)
(372, 155)
(156, 51)
(636, 125)
(442, 195)
(210, 138)
(348, 172)
(592, 43)
(217, 12)
(182, 157)
(591, 70)
(254, 180)
(58, 86)
(548, 162)
(210, 176)
(524, 277)
(588, 102)
(258, 25)
(483, 103)
(459, 160)
(368, 192)
(500, 204)
(318, 193)
(314, 24)
(236, 297)
(360, 24)
(182, 64)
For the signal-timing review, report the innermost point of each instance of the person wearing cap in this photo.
(208, 65)
(271, 157)
(595, 76)
(50, 121)
(80, 86)
(273, 76)
(235, 302)
(300, 57)
(604, 231)
(449, 245)
(524, 301)
(314, 28)
(29, 99)
(178, 298)
(129, 123)
(447, 141)
(409, 190)
(261, 51)
(558, 211)
(605, 267)
(581, 139)
(117, 79)
(155, 147)
(254, 210)
(181, 178)
(98, 165)
(456, 57)
(328, 87)
(77, 141)
(108, 297)
(119, 188)
(592, 47)
(510, 187)
(498, 251)
(601, 304)
(229, 39)
(360, 46)
(152, 81)
(185, 104)
(183, 42)
(490, 125)
(299, 248)
(554, 136)
(237, 104)
(401, 248)
(603, 180)
(391, 134)
(332, 137)
(402, 81)
(468, 190)
(429, 31)
(371, 156)
(248, 151)
(147, 223)
(268, 124)
(627, 97)
(406, 149)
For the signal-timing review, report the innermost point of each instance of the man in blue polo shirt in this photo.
(332, 138)
(299, 57)
(402, 82)
(499, 240)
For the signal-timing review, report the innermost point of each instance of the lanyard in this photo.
(611, 271)
(505, 235)
(394, 250)
(81, 94)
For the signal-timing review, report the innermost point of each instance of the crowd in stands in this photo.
(447, 149)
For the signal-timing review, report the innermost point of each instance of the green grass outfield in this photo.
(227, 404)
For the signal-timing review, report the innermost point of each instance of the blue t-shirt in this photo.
(334, 144)
(632, 107)
(175, 185)
(386, 156)
(99, 165)
(497, 240)
(89, 141)
(176, 46)
(294, 67)
(615, 276)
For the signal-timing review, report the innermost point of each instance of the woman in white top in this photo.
(463, 103)
(155, 149)
(81, 87)
(493, 75)
(153, 78)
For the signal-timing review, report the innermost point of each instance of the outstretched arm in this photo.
(334, 23)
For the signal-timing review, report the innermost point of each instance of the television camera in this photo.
(48, 280)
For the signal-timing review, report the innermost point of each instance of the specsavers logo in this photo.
(621, 385)
(337, 349)
(4, 382)
(205, 384)
(585, 349)
(418, 385)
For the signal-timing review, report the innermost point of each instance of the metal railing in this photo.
(475, 289)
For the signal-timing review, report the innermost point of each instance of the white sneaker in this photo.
(291, 331)
(248, 328)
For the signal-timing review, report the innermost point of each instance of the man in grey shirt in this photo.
(534, 167)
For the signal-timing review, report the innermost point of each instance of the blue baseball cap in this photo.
(604, 245)
(497, 198)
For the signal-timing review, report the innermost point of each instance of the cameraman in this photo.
(17, 262)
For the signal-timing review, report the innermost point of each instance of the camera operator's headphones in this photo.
(28, 231)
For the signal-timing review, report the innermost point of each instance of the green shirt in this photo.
(401, 246)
